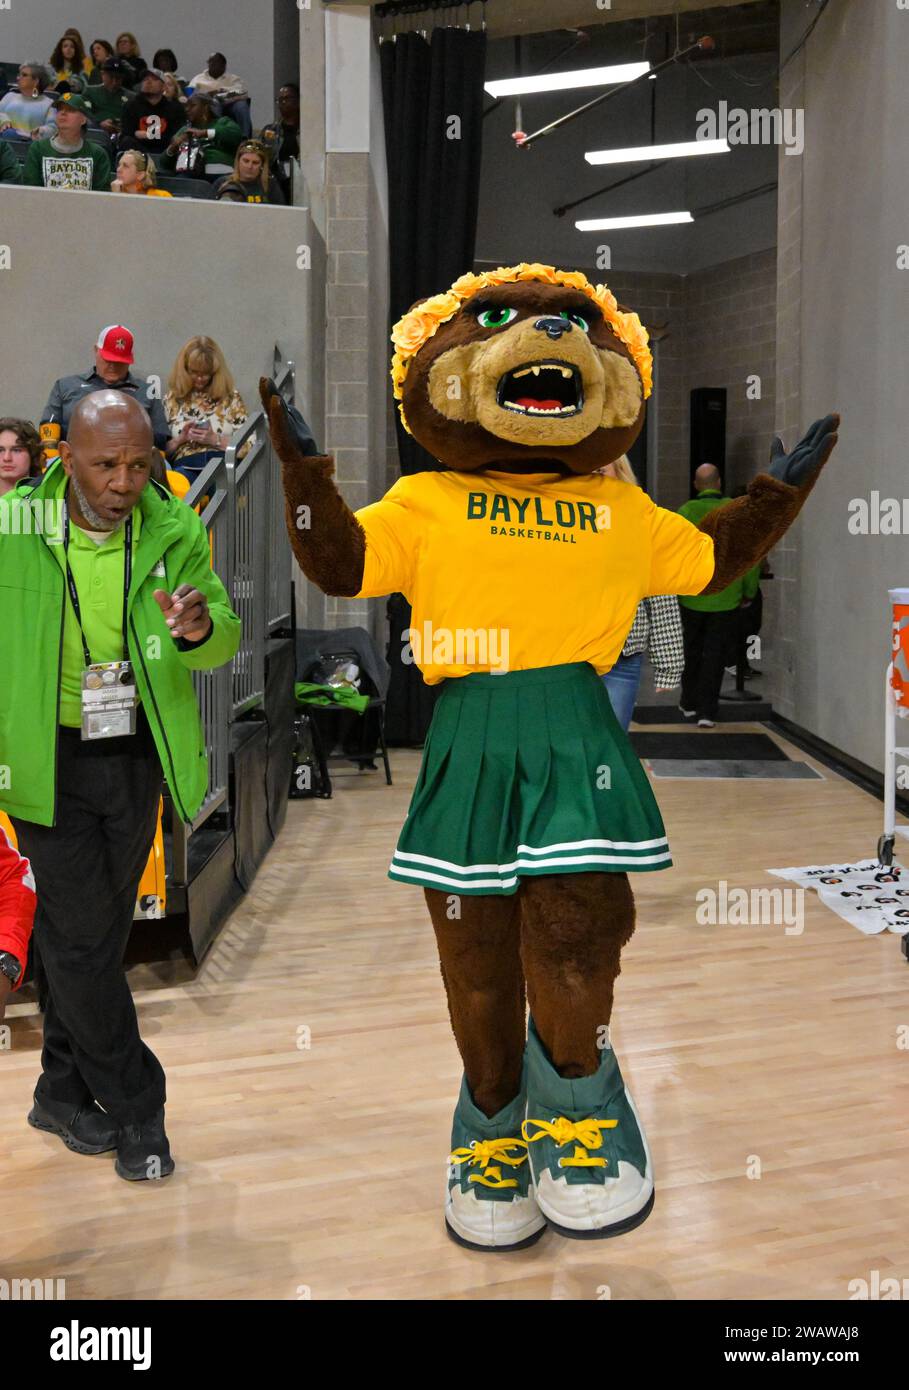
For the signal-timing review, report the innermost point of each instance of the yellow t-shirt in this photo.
(511, 572)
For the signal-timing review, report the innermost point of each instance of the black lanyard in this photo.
(127, 576)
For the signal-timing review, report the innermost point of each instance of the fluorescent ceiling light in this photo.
(645, 219)
(563, 81)
(642, 152)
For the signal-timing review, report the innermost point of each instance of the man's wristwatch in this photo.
(10, 967)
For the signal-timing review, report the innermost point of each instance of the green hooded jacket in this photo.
(172, 549)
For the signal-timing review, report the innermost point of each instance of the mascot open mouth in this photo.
(551, 388)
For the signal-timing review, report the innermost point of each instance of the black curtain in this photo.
(433, 106)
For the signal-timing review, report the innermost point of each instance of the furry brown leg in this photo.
(479, 951)
(573, 928)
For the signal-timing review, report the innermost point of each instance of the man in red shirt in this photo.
(17, 911)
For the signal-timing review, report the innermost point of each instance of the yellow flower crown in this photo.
(417, 327)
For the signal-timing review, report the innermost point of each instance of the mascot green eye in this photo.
(575, 318)
(496, 318)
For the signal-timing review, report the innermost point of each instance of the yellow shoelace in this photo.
(489, 1154)
(585, 1133)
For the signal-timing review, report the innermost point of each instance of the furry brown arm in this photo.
(327, 540)
(747, 529)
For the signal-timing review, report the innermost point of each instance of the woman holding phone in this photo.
(203, 407)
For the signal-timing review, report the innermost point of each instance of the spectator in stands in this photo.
(9, 164)
(21, 455)
(282, 137)
(284, 133)
(150, 121)
(136, 174)
(165, 60)
(70, 63)
(85, 813)
(67, 159)
(250, 181)
(27, 111)
(227, 88)
(216, 139)
(172, 89)
(108, 101)
(128, 49)
(203, 406)
(113, 359)
(100, 51)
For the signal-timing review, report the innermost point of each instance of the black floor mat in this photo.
(750, 712)
(706, 745)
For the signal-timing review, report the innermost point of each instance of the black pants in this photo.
(87, 870)
(708, 638)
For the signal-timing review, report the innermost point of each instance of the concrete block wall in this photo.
(730, 337)
(659, 300)
(348, 368)
(780, 630)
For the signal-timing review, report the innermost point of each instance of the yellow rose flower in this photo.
(576, 280)
(398, 374)
(440, 306)
(467, 285)
(407, 334)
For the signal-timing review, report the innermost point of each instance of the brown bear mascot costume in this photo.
(524, 566)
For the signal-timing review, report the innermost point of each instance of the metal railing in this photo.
(242, 505)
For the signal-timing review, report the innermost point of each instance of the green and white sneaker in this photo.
(490, 1203)
(591, 1166)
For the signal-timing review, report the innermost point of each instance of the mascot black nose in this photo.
(553, 327)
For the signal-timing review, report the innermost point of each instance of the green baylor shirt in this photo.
(97, 569)
(87, 168)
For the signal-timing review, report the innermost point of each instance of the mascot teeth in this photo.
(547, 388)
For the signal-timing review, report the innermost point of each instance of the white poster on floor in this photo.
(870, 896)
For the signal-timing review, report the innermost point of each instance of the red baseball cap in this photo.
(115, 343)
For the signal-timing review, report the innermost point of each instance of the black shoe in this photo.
(83, 1128)
(143, 1151)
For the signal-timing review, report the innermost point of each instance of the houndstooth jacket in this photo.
(657, 628)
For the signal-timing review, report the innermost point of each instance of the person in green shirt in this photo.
(99, 564)
(108, 100)
(67, 159)
(9, 164)
(220, 138)
(710, 622)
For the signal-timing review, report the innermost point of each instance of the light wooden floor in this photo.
(319, 1172)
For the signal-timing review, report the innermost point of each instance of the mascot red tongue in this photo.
(524, 567)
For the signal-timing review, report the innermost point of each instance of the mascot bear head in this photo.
(521, 367)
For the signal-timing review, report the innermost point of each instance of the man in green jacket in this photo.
(219, 138)
(710, 624)
(67, 159)
(109, 604)
(108, 98)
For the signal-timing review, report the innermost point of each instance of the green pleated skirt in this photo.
(527, 773)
